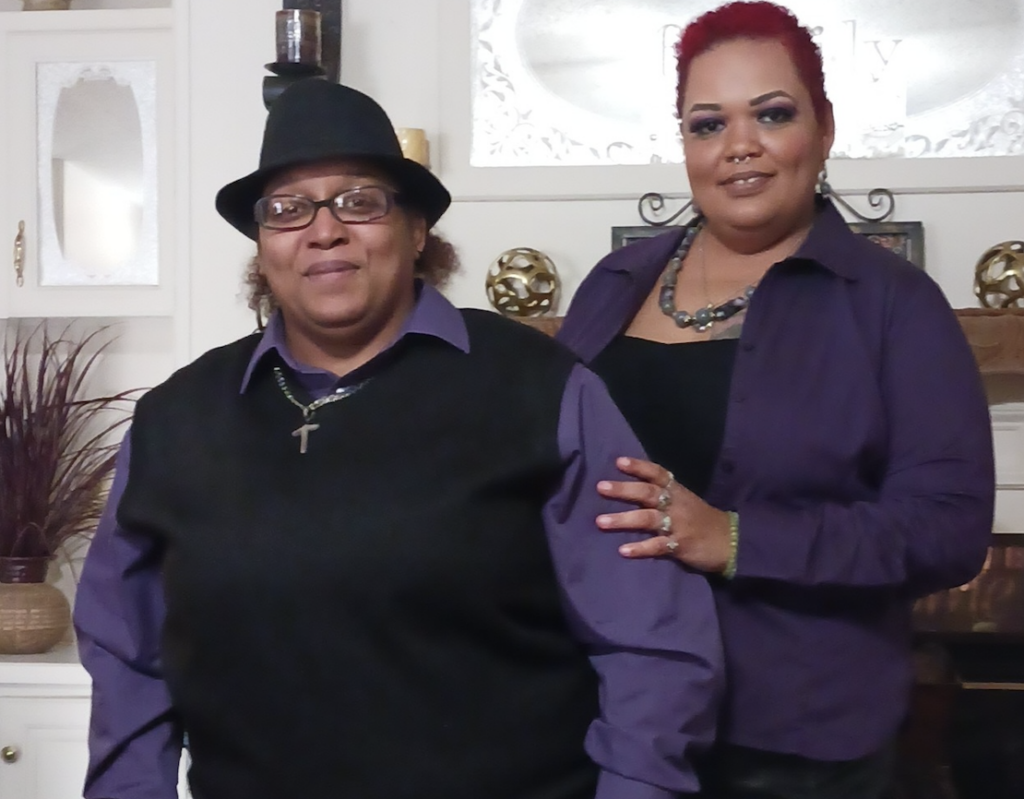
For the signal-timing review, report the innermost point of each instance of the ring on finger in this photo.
(666, 524)
(664, 499)
(671, 545)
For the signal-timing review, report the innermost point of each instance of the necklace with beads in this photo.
(703, 318)
(308, 426)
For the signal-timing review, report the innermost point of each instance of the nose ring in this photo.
(737, 159)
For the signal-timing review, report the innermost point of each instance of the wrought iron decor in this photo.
(651, 206)
(904, 238)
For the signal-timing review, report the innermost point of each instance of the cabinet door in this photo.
(86, 162)
(46, 741)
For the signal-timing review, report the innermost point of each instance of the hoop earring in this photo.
(824, 188)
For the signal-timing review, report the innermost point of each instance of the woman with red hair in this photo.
(818, 436)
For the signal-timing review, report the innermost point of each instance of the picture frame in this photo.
(906, 239)
(628, 234)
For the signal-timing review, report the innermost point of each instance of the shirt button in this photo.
(748, 347)
(728, 467)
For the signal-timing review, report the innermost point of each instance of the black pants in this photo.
(736, 772)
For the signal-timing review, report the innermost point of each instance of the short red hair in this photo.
(754, 20)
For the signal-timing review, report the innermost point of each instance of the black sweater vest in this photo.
(379, 617)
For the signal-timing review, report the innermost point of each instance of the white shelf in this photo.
(58, 667)
(14, 6)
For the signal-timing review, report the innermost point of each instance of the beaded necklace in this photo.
(703, 318)
(302, 431)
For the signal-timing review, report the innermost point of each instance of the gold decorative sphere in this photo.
(999, 276)
(523, 282)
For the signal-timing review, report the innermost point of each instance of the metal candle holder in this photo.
(308, 45)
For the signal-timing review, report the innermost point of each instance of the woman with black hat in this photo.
(353, 555)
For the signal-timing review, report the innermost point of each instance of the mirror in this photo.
(97, 174)
(593, 81)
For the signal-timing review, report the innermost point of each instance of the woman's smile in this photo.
(331, 268)
(746, 184)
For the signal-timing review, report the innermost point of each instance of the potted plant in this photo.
(57, 451)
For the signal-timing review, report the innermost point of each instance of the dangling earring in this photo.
(824, 189)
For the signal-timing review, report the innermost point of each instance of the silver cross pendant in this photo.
(302, 433)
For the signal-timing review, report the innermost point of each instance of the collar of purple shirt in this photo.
(432, 315)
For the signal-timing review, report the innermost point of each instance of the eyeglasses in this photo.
(353, 207)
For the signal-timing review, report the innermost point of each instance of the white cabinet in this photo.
(44, 726)
(44, 753)
(44, 722)
(87, 163)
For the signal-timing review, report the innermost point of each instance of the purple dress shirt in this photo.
(651, 627)
(858, 453)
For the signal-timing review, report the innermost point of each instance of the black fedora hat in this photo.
(317, 120)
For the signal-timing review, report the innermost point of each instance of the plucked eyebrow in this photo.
(761, 98)
(764, 98)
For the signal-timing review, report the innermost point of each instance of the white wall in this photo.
(412, 56)
(390, 58)
(229, 41)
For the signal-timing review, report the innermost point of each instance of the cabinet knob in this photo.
(19, 271)
(10, 754)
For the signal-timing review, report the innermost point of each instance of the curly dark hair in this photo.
(436, 265)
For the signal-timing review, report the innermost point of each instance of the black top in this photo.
(675, 397)
(385, 603)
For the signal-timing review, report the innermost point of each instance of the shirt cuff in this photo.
(614, 786)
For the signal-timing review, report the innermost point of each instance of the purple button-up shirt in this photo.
(858, 453)
(651, 626)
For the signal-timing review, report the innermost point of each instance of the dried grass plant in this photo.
(57, 444)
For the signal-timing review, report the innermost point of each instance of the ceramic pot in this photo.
(45, 5)
(34, 615)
